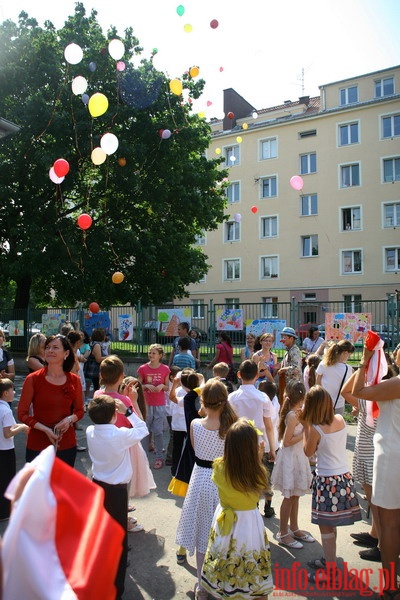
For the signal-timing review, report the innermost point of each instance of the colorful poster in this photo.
(16, 328)
(274, 326)
(51, 323)
(100, 320)
(347, 326)
(169, 319)
(125, 328)
(229, 319)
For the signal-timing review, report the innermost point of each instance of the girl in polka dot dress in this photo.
(208, 439)
(334, 501)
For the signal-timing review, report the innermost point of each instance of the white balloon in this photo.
(73, 54)
(255, 115)
(79, 85)
(166, 134)
(116, 49)
(54, 177)
(109, 143)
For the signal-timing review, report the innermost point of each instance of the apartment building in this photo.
(337, 238)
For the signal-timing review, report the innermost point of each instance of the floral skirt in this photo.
(238, 565)
(334, 500)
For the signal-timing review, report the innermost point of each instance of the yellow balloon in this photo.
(98, 156)
(175, 85)
(245, 126)
(217, 150)
(239, 139)
(194, 71)
(188, 28)
(117, 277)
(202, 114)
(98, 104)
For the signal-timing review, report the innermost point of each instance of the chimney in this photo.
(304, 100)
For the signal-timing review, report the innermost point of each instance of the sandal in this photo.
(294, 545)
(317, 563)
(304, 537)
(131, 523)
(158, 464)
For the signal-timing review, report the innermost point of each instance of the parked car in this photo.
(4, 328)
(390, 335)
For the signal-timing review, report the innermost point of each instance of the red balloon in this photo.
(230, 115)
(61, 167)
(94, 307)
(254, 209)
(85, 221)
(214, 24)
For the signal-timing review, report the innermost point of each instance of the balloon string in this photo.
(79, 265)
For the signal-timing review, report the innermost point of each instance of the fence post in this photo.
(211, 328)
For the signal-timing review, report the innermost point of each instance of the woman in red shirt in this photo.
(51, 402)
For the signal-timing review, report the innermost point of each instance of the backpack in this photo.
(91, 368)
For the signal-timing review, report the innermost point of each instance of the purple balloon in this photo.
(166, 134)
(237, 217)
(85, 98)
(92, 67)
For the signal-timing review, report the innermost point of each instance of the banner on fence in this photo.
(51, 323)
(347, 326)
(100, 320)
(125, 328)
(169, 319)
(229, 319)
(273, 326)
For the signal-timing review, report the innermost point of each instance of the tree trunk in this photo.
(22, 294)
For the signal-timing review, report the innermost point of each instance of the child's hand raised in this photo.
(120, 406)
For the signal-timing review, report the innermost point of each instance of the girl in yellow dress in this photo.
(237, 562)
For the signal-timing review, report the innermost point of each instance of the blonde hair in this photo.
(332, 355)
(157, 347)
(221, 369)
(318, 407)
(35, 342)
(243, 468)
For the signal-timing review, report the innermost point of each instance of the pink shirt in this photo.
(154, 376)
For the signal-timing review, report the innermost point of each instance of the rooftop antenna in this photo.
(301, 78)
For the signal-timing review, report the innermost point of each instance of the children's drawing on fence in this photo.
(169, 319)
(100, 320)
(273, 326)
(51, 323)
(229, 319)
(125, 328)
(347, 326)
(16, 328)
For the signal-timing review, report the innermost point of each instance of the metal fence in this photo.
(146, 326)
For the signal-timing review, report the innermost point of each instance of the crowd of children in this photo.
(227, 448)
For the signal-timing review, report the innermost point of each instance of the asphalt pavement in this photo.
(153, 573)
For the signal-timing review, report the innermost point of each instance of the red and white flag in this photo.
(60, 542)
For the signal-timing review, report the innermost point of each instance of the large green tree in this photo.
(148, 201)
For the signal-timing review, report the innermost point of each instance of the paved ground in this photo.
(153, 573)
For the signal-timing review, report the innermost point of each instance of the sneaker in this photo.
(269, 512)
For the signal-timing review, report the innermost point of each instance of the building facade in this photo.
(337, 239)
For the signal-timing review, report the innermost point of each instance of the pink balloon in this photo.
(297, 182)
(54, 178)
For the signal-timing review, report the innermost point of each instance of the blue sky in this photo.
(259, 48)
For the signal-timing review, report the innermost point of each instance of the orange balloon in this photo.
(117, 277)
(122, 162)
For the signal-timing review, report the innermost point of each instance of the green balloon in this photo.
(180, 10)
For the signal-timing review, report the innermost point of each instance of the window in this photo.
(352, 304)
(348, 95)
(391, 169)
(200, 239)
(197, 309)
(351, 218)
(310, 316)
(311, 296)
(392, 259)
(309, 246)
(348, 134)
(391, 126)
(232, 156)
(384, 87)
(269, 227)
(232, 269)
(232, 303)
(391, 214)
(351, 261)
(233, 192)
(268, 149)
(232, 231)
(268, 187)
(269, 267)
(349, 175)
(269, 308)
(306, 134)
(308, 163)
(309, 205)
